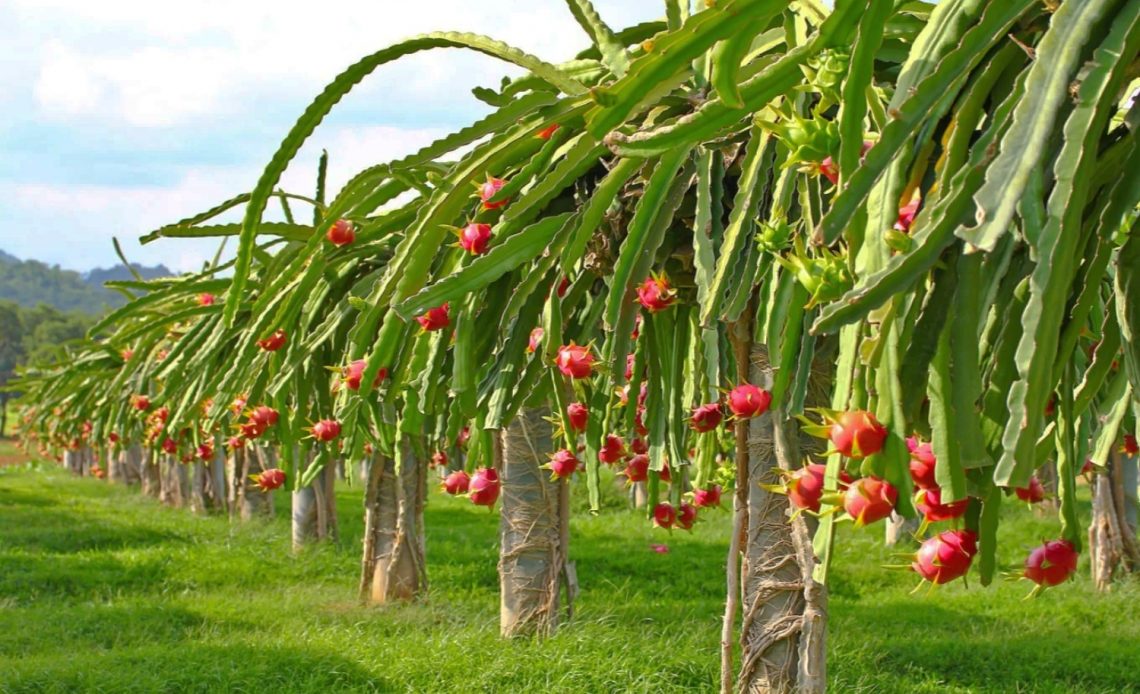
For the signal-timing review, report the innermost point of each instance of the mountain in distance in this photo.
(120, 272)
(30, 282)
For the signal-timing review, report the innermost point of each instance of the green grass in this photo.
(101, 590)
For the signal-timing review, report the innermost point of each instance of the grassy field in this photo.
(101, 590)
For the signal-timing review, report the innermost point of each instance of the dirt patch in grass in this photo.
(10, 454)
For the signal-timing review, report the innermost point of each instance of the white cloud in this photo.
(66, 84)
(153, 86)
(196, 74)
(194, 59)
(353, 149)
(85, 217)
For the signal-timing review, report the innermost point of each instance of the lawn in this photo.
(102, 590)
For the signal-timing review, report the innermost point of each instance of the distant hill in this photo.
(30, 282)
(120, 272)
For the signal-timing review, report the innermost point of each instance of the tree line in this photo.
(35, 335)
(31, 282)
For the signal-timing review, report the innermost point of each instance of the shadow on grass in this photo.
(25, 578)
(51, 528)
(194, 667)
(19, 497)
(905, 642)
(46, 629)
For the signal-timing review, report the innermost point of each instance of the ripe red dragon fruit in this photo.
(638, 446)
(484, 487)
(613, 449)
(474, 238)
(563, 285)
(1130, 446)
(235, 442)
(707, 497)
(205, 452)
(547, 132)
(535, 340)
(457, 483)
(922, 463)
(665, 475)
(656, 294)
(270, 479)
(946, 556)
(630, 361)
(274, 342)
(706, 417)
(264, 415)
(1051, 563)
(113, 437)
(747, 400)
(870, 499)
(664, 515)
(463, 436)
(436, 318)
(325, 430)
(251, 430)
(341, 233)
(906, 215)
(488, 190)
(639, 422)
(1032, 493)
(578, 416)
(929, 503)
(857, 434)
(438, 459)
(686, 516)
(575, 361)
(637, 469)
(141, 403)
(805, 486)
(169, 446)
(206, 299)
(562, 464)
(354, 372)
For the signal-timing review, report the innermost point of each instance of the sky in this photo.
(124, 115)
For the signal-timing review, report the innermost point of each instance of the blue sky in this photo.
(123, 115)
